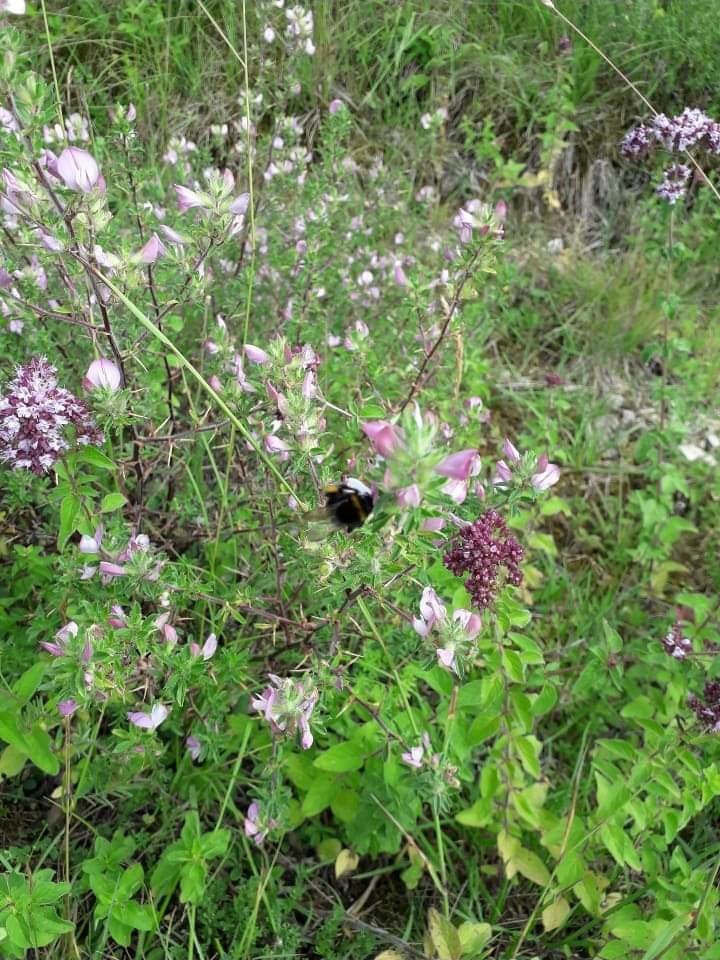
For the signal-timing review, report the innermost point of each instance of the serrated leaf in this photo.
(444, 936)
(112, 501)
(554, 916)
(345, 862)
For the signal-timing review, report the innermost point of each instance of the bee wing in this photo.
(316, 516)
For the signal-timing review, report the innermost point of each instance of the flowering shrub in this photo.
(272, 318)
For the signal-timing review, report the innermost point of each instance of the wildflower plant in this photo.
(192, 354)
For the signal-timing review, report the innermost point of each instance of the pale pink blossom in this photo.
(460, 466)
(66, 708)
(240, 205)
(384, 436)
(409, 496)
(149, 720)
(274, 444)
(255, 354)
(172, 236)
(152, 251)
(187, 199)
(103, 374)
(193, 746)
(58, 647)
(546, 475)
(78, 169)
(432, 611)
(117, 619)
(511, 451)
(433, 524)
(207, 650)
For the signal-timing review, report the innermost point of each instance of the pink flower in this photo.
(240, 204)
(503, 473)
(414, 757)
(91, 544)
(208, 648)
(399, 275)
(409, 496)
(446, 658)
(151, 720)
(152, 251)
(108, 571)
(547, 474)
(193, 746)
(78, 169)
(384, 436)
(287, 705)
(103, 374)
(335, 106)
(255, 354)
(470, 622)
(511, 451)
(117, 619)
(432, 611)
(187, 199)
(256, 828)
(166, 629)
(66, 708)
(460, 466)
(274, 444)
(172, 236)
(433, 524)
(34, 414)
(62, 637)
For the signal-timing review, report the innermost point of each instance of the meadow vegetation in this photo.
(440, 274)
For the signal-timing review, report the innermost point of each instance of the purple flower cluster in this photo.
(675, 644)
(691, 128)
(34, 415)
(480, 550)
(674, 183)
(707, 707)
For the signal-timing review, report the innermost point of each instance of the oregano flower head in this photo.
(483, 550)
(34, 416)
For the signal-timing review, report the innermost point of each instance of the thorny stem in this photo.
(450, 313)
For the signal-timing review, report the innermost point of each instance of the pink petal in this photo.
(459, 466)
(384, 436)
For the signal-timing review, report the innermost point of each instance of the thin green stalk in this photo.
(376, 633)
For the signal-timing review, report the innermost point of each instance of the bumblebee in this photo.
(348, 504)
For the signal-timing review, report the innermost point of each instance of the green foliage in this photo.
(550, 793)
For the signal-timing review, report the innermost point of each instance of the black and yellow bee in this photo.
(348, 504)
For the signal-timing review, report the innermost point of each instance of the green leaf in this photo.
(39, 749)
(26, 685)
(215, 843)
(192, 882)
(112, 501)
(119, 931)
(140, 916)
(473, 937)
(130, 881)
(70, 509)
(545, 700)
(528, 748)
(340, 758)
(95, 458)
(530, 866)
(12, 761)
(554, 916)
(666, 936)
(319, 796)
(444, 936)
(344, 805)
